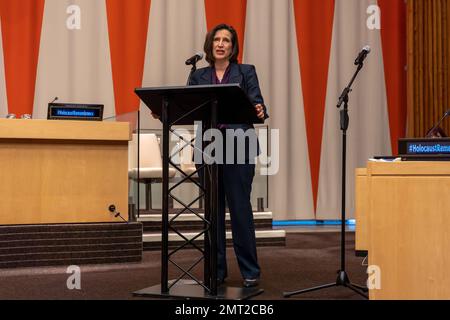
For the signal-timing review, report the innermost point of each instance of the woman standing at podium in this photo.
(235, 180)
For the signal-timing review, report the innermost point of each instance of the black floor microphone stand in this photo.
(342, 278)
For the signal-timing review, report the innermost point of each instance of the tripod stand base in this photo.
(195, 291)
(342, 280)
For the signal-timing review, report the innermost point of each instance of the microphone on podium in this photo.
(436, 131)
(194, 59)
(56, 98)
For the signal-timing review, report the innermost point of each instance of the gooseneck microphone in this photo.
(362, 55)
(194, 59)
(56, 98)
(432, 130)
(112, 209)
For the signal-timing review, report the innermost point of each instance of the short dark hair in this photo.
(208, 46)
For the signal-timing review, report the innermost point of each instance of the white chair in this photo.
(186, 154)
(150, 163)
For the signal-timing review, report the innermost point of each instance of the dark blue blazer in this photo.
(244, 74)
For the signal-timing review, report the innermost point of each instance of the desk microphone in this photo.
(112, 209)
(432, 130)
(56, 98)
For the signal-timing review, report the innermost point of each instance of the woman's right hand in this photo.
(260, 111)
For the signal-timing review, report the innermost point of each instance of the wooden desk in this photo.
(409, 229)
(62, 171)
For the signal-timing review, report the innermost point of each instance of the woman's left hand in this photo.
(259, 110)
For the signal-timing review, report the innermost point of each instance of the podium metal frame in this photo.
(165, 103)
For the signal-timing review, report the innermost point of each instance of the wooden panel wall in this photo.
(428, 65)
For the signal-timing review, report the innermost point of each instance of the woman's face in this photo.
(222, 45)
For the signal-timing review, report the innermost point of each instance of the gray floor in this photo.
(308, 259)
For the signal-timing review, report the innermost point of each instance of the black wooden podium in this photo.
(210, 104)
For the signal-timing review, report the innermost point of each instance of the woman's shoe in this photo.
(251, 282)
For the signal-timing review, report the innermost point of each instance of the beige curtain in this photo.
(74, 64)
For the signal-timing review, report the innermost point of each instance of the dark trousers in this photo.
(234, 188)
(235, 185)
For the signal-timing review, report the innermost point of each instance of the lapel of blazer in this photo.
(235, 74)
(206, 77)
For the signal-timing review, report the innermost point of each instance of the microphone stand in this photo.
(342, 278)
(194, 67)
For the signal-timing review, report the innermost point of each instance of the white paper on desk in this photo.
(385, 160)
